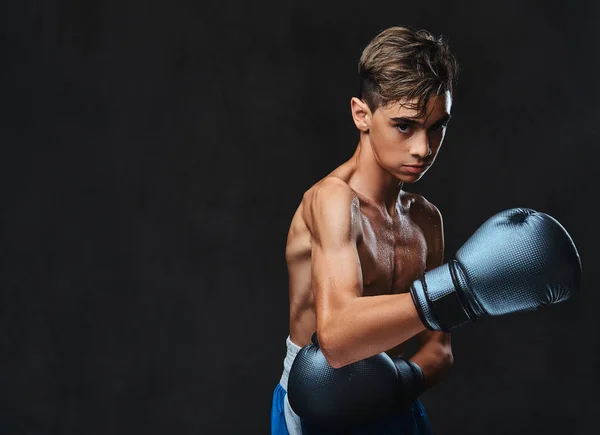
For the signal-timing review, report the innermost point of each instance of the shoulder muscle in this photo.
(332, 209)
(430, 219)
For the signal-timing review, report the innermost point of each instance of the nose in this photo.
(420, 146)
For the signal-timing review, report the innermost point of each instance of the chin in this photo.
(409, 178)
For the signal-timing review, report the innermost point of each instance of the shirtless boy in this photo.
(358, 242)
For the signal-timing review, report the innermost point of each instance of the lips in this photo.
(415, 169)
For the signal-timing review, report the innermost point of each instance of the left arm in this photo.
(434, 356)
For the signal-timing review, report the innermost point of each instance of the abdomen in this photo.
(302, 307)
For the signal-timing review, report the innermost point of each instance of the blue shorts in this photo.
(412, 421)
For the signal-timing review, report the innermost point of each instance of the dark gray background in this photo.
(153, 154)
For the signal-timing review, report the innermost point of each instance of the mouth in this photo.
(415, 169)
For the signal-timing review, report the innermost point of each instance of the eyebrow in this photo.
(415, 120)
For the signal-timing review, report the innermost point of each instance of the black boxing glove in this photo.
(411, 381)
(329, 397)
(518, 260)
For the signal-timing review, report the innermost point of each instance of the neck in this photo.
(371, 180)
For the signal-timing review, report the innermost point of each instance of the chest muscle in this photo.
(392, 256)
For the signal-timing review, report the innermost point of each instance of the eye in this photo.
(403, 128)
(440, 127)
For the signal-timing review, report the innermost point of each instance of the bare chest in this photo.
(392, 252)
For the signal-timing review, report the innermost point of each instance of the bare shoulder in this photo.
(331, 199)
(428, 217)
(329, 188)
(422, 209)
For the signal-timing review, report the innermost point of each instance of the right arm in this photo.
(350, 327)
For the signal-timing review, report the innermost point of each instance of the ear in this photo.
(361, 114)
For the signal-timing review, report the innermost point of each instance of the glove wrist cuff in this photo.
(411, 380)
(440, 299)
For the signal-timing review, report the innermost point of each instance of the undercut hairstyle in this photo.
(406, 66)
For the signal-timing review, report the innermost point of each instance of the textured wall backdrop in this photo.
(153, 154)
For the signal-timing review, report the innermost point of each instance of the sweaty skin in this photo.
(357, 241)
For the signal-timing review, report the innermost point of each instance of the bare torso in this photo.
(393, 249)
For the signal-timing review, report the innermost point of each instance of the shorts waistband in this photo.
(292, 351)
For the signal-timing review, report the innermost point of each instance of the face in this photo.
(404, 143)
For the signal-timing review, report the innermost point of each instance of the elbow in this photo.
(335, 363)
(333, 348)
(334, 359)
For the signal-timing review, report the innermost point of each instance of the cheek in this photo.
(385, 148)
(436, 141)
(385, 140)
(390, 152)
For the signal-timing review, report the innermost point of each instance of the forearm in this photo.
(435, 360)
(367, 326)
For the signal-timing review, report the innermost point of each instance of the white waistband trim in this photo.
(292, 351)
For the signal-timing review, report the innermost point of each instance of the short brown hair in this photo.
(403, 65)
